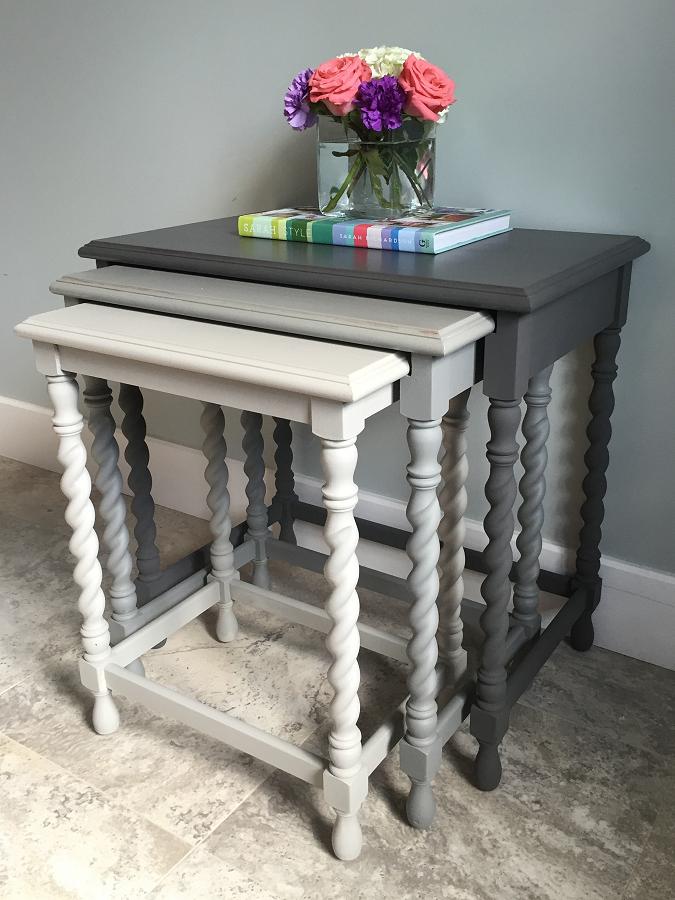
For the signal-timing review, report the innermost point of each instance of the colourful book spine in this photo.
(361, 234)
(320, 231)
(343, 234)
(278, 228)
(444, 228)
(407, 239)
(374, 237)
(390, 238)
(296, 229)
(255, 226)
(425, 241)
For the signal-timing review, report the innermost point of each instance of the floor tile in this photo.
(59, 837)
(569, 821)
(202, 874)
(584, 812)
(38, 609)
(623, 697)
(654, 874)
(272, 676)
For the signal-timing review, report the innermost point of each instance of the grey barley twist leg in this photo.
(452, 531)
(285, 496)
(423, 547)
(256, 512)
(76, 487)
(489, 714)
(218, 502)
(98, 399)
(338, 459)
(531, 511)
(599, 432)
(140, 482)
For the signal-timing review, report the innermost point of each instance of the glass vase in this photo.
(390, 174)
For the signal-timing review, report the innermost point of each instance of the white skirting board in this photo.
(636, 616)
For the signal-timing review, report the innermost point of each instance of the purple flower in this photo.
(296, 102)
(381, 103)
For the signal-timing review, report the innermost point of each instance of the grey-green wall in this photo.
(123, 116)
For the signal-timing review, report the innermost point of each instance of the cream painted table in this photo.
(332, 387)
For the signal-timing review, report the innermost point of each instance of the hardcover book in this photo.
(443, 228)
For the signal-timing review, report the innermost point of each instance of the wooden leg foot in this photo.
(347, 837)
(420, 806)
(261, 574)
(582, 634)
(105, 717)
(227, 627)
(137, 667)
(487, 767)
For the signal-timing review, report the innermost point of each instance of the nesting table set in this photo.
(328, 336)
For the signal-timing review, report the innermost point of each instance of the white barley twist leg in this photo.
(338, 458)
(218, 501)
(140, 481)
(452, 531)
(424, 514)
(76, 487)
(256, 511)
(98, 398)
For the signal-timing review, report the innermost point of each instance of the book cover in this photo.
(441, 229)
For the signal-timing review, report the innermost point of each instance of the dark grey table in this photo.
(549, 291)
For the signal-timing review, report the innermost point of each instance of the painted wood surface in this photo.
(599, 431)
(140, 482)
(338, 460)
(452, 532)
(532, 487)
(218, 502)
(519, 271)
(436, 331)
(256, 511)
(258, 358)
(80, 516)
(423, 547)
(500, 491)
(285, 496)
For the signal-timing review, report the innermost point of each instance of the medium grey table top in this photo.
(519, 271)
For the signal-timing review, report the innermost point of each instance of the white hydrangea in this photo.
(386, 60)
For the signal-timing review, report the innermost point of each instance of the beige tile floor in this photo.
(586, 808)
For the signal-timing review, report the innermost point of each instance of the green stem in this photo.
(412, 178)
(395, 186)
(354, 173)
(377, 190)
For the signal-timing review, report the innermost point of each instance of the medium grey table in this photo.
(548, 292)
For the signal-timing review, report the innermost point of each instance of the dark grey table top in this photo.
(518, 271)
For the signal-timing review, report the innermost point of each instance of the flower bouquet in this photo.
(376, 112)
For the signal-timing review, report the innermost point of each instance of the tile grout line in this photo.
(92, 787)
(219, 822)
(636, 864)
(594, 729)
(16, 684)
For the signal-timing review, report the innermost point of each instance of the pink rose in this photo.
(429, 90)
(336, 82)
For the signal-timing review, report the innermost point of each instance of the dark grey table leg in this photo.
(489, 713)
(140, 482)
(531, 511)
(599, 432)
(285, 497)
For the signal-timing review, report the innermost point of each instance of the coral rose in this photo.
(428, 89)
(337, 81)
